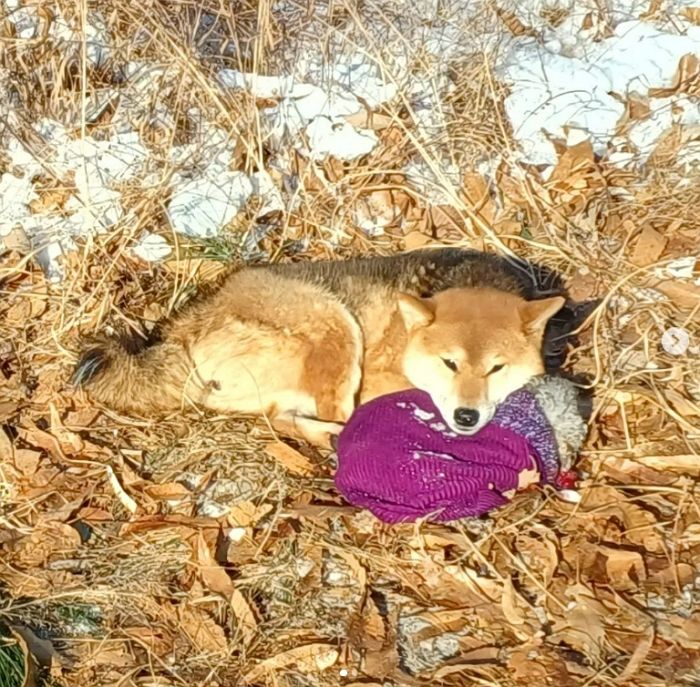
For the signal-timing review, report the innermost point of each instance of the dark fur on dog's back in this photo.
(422, 272)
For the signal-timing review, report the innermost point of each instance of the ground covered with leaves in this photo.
(204, 550)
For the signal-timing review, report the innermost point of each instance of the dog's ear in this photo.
(536, 314)
(416, 312)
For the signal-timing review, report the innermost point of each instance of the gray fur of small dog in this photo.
(558, 397)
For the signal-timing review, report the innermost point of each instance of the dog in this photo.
(304, 343)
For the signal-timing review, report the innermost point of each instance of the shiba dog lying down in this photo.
(304, 343)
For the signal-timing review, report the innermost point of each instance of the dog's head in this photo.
(470, 348)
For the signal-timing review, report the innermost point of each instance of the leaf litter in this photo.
(206, 551)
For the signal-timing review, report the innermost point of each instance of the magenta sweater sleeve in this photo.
(397, 458)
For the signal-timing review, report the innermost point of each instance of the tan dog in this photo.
(304, 343)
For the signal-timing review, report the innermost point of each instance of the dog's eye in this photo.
(450, 363)
(496, 368)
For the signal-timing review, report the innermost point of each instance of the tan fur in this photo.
(477, 329)
(304, 347)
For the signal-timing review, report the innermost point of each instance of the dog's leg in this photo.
(332, 370)
(317, 432)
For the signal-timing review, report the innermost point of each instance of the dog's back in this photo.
(422, 273)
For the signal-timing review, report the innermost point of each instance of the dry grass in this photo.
(190, 552)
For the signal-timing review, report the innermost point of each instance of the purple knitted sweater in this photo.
(397, 458)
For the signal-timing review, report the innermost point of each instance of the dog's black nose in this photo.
(466, 417)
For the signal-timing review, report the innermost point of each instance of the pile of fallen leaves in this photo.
(206, 551)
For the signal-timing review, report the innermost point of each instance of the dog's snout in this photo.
(466, 417)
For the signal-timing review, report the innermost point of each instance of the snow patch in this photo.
(552, 93)
(202, 207)
(338, 138)
(152, 248)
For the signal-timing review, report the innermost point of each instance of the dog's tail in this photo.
(149, 382)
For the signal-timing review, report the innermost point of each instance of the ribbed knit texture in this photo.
(397, 458)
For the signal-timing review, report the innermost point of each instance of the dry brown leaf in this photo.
(478, 196)
(309, 658)
(124, 498)
(513, 23)
(18, 314)
(290, 459)
(34, 436)
(30, 677)
(442, 621)
(512, 603)
(17, 240)
(245, 619)
(47, 539)
(637, 107)
(582, 626)
(6, 446)
(213, 575)
(687, 463)
(540, 554)
(684, 294)
(367, 630)
(201, 629)
(42, 650)
(81, 419)
(484, 587)
(247, 514)
(640, 525)
(649, 247)
(416, 239)
(27, 461)
(574, 161)
(692, 14)
(489, 654)
(217, 580)
(70, 442)
(639, 655)
(682, 631)
(370, 120)
(380, 209)
(673, 576)
(625, 569)
(167, 491)
(381, 664)
(681, 404)
(358, 570)
(625, 469)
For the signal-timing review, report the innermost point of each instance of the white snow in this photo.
(69, 37)
(338, 138)
(568, 78)
(152, 248)
(680, 268)
(265, 189)
(316, 111)
(361, 77)
(24, 19)
(549, 92)
(552, 93)
(308, 100)
(202, 207)
(688, 158)
(97, 168)
(15, 195)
